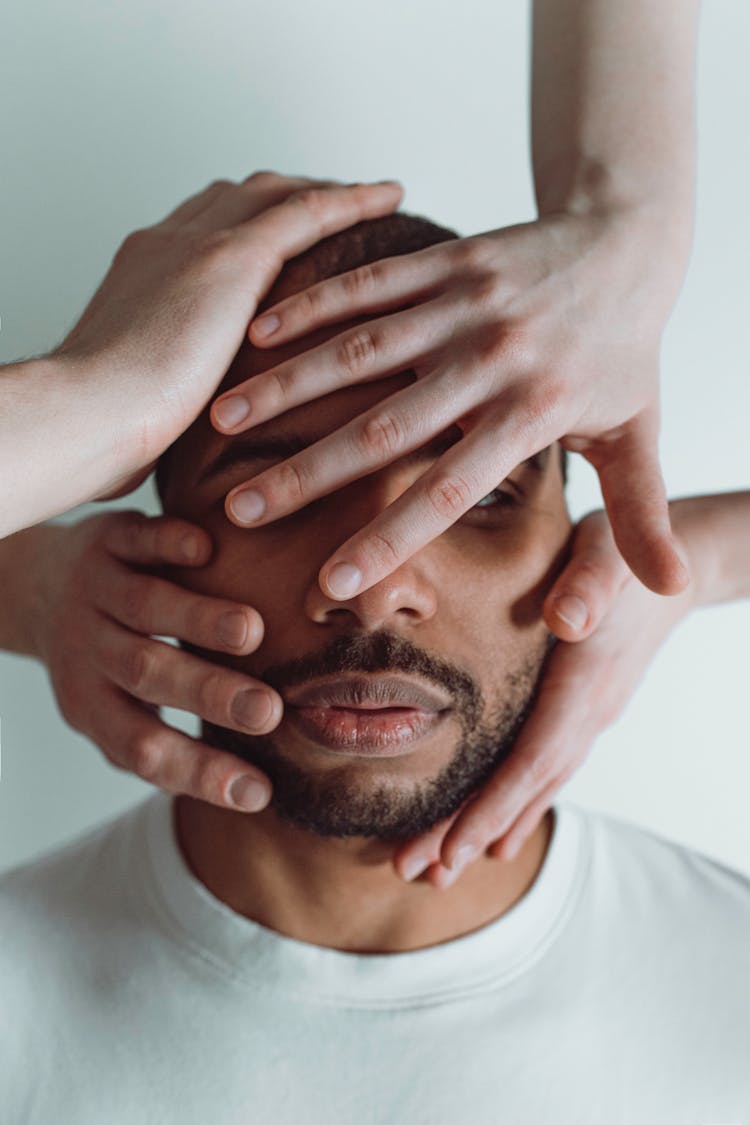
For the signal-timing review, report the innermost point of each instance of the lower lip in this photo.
(383, 733)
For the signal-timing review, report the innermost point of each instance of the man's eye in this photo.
(494, 504)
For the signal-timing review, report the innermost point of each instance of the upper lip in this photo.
(367, 692)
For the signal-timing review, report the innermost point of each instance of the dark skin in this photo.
(468, 603)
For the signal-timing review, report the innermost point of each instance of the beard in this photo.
(334, 803)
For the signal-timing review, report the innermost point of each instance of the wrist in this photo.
(112, 419)
(24, 578)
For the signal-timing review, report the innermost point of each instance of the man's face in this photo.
(415, 689)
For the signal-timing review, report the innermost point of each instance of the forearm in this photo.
(716, 532)
(613, 106)
(22, 597)
(60, 440)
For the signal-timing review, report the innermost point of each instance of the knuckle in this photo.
(134, 607)
(219, 185)
(207, 780)
(518, 346)
(310, 303)
(362, 281)
(278, 385)
(212, 245)
(485, 288)
(147, 754)
(384, 550)
(356, 351)
(381, 436)
(467, 254)
(213, 696)
(262, 178)
(310, 199)
(545, 404)
(291, 480)
(450, 496)
(134, 241)
(138, 670)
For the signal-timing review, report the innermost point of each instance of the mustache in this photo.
(364, 652)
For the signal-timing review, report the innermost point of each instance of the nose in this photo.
(407, 596)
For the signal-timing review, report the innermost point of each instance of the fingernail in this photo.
(252, 709)
(572, 611)
(229, 412)
(247, 506)
(512, 850)
(343, 580)
(190, 548)
(249, 794)
(447, 878)
(232, 629)
(266, 325)
(414, 866)
(465, 854)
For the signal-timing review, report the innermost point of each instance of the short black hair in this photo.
(358, 245)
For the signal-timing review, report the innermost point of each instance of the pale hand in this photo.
(171, 313)
(94, 625)
(524, 336)
(584, 688)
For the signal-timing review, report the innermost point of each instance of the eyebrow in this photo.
(247, 448)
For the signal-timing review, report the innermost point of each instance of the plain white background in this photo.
(113, 113)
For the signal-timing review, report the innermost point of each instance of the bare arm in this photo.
(612, 107)
(555, 324)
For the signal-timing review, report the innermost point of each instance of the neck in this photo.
(342, 893)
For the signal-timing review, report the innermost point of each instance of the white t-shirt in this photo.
(615, 992)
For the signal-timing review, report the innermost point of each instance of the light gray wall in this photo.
(112, 113)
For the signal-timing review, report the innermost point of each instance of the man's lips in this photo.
(365, 715)
(367, 693)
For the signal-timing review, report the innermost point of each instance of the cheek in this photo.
(250, 567)
(502, 577)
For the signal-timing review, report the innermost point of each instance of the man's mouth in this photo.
(367, 715)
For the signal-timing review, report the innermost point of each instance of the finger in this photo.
(155, 607)
(133, 738)
(527, 823)
(267, 187)
(396, 426)
(555, 735)
(238, 203)
(635, 497)
(590, 582)
(369, 351)
(149, 541)
(161, 674)
(371, 288)
(458, 480)
(413, 858)
(301, 220)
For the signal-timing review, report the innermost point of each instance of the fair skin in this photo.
(157, 337)
(511, 332)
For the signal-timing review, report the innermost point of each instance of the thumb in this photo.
(636, 501)
(589, 584)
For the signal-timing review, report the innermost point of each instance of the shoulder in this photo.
(640, 871)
